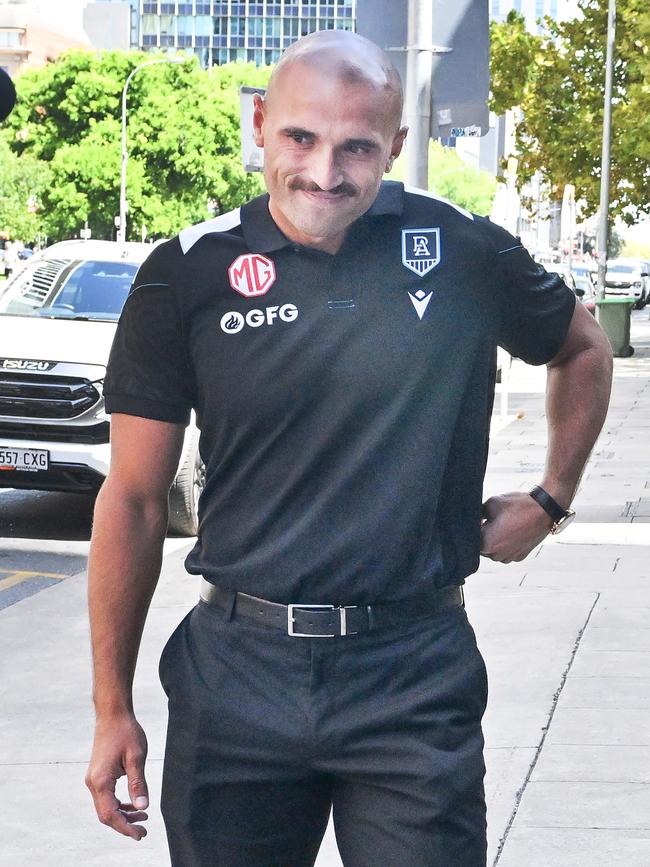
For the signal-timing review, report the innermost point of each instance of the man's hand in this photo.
(120, 748)
(514, 525)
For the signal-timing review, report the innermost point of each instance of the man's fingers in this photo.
(490, 508)
(138, 791)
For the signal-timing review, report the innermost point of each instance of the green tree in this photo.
(21, 192)
(558, 82)
(183, 141)
(453, 179)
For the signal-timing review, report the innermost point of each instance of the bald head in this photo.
(348, 57)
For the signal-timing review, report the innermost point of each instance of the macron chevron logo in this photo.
(420, 301)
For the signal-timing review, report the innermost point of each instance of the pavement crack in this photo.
(545, 731)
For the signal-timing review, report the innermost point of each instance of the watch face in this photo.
(564, 522)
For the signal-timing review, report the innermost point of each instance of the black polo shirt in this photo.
(344, 401)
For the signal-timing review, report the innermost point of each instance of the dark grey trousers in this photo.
(267, 733)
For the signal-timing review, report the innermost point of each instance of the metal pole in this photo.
(419, 62)
(603, 230)
(121, 231)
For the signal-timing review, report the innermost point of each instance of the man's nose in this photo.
(325, 170)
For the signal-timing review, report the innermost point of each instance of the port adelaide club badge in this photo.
(420, 250)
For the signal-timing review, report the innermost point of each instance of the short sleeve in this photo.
(536, 305)
(148, 373)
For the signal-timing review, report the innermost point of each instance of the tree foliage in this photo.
(183, 141)
(23, 183)
(453, 179)
(557, 79)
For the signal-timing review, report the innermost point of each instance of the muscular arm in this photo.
(125, 556)
(577, 395)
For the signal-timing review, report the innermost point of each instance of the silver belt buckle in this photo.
(342, 609)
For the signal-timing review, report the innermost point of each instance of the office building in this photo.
(220, 31)
(29, 38)
(112, 24)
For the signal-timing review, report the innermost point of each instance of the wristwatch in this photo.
(561, 517)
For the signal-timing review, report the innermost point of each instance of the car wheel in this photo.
(185, 492)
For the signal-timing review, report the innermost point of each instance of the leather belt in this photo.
(328, 621)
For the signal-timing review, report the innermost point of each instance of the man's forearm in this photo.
(577, 397)
(124, 566)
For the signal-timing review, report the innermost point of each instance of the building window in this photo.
(308, 25)
(149, 39)
(255, 26)
(185, 25)
(9, 38)
(291, 10)
(273, 9)
(167, 8)
(237, 26)
(343, 24)
(202, 8)
(202, 41)
(220, 26)
(291, 28)
(272, 28)
(184, 41)
(203, 27)
(185, 9)
(149, 8)
(220, 9)
(238, 9)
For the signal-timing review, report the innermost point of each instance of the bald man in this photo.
(336, 338)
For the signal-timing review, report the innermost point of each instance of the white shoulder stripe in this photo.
(188, 237)
(418, 192)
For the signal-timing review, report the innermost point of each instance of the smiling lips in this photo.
(323, 197)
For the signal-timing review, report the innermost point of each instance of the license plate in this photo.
(25, 460)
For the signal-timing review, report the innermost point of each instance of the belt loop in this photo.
(371, 617)
(230, 605)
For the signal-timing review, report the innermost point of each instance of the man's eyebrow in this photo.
(296, 130)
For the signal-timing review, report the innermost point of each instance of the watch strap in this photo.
(552, 508)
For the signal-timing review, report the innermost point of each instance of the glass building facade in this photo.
(220, 31)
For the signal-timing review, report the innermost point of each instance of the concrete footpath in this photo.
(565, 635)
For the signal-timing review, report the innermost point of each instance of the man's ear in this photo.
(396, 147)
(258, 119)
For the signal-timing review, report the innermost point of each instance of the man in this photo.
(337, 339)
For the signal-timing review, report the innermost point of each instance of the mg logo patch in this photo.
(251, 275)
(420, 250)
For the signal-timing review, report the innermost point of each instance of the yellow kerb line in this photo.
(16, 577)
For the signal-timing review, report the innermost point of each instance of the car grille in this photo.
(40, 396)
(93, 434)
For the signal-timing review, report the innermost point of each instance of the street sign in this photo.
(461, 77)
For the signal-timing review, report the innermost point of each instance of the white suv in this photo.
(57, 320)
(629, 278)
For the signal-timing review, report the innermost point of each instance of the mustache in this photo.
(343, 188)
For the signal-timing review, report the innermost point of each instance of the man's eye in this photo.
(298, 137)
(358, 149)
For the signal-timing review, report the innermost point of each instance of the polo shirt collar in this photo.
(263, 236)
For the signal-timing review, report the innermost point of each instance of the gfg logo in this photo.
(232, 322)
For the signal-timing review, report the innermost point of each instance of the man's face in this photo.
(326, 144)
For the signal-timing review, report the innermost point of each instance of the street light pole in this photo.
(603, 230)
(121, 232)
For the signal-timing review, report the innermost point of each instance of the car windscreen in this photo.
(622, 269)
(65, 289)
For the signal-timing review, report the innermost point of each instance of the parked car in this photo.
(57, 320)
(629, 278)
